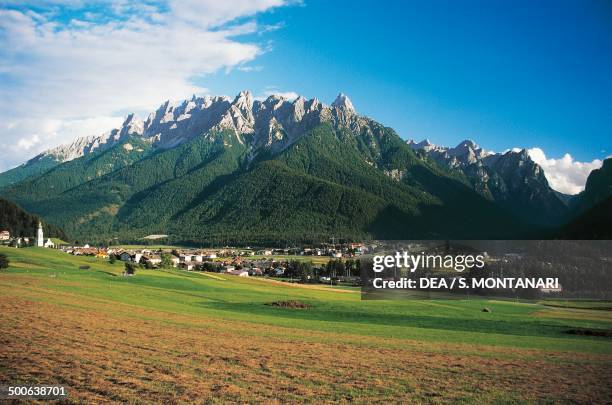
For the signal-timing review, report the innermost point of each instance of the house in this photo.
(198, 257)
(336, 254)
(265, 252)
(185, 257)
(187, 266)
(229, 268)
(211, 256)
(5, 235)
(49, 243)
(175, 261)
(255, 271)
(153, 260)
(130, 257)
(84, 252)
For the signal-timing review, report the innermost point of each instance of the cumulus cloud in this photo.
(565, 175)
(63, 79)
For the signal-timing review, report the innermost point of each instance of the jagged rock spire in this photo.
(342, 101)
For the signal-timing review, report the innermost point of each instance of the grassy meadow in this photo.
(176, 336)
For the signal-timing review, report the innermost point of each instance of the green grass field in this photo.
(372, 349)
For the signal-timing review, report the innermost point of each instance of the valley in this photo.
(173, 336)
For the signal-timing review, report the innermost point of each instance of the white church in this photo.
(40, 239)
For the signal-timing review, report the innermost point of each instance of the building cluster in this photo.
(241, 262)
(22, 241)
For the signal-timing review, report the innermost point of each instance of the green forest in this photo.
(332, 182)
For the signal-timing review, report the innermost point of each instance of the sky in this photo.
(504, 73)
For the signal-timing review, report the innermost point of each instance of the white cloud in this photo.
(26, 144)
(289, 95)
(273, 91)
(62, 80)
(248, 69)
(565, 175)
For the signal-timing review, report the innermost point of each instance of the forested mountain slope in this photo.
(245, 171)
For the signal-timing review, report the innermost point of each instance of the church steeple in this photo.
(40, 239)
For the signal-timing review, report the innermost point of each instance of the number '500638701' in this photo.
(36, 391)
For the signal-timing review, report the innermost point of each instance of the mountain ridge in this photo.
(510, 178)
(248, 170)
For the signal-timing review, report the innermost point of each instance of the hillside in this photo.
(598, 187)
(208, 189)
(593, 223)
(31, 168)
(591, 214)
(65, 153)
(511, 179)
(73, 173)
(20, 223)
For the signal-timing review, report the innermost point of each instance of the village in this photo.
(330, 263)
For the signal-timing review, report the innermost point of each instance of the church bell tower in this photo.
(40, 241)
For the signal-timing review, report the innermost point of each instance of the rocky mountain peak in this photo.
(467, 144)
(244, 100)
(511, 177)
(343, 102)
(132, 125)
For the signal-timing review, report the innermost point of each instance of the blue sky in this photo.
(503, 73)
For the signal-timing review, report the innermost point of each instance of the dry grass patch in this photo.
(106, 356)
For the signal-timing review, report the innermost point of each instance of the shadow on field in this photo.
(325, 313)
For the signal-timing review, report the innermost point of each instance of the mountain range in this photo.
(222, 170)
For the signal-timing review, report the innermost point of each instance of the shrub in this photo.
(4, 261)
(130, 268)
(166, 261)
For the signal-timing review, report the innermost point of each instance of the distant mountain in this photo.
(214, 169)
(598, 187)
(511, 179)
(591, 213)
(31, 168)
(20, 223)
(51, 158)
(75, 172)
